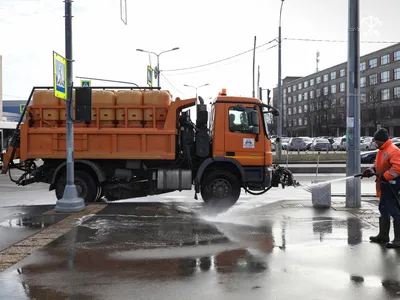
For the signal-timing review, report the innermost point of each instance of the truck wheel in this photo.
(220, 188)
(85, 184)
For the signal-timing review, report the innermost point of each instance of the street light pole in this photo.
(158, 60)
(196, 87)
(70, 201)
(279, 129)
(353, 187)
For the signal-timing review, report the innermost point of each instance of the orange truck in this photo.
(134, 142)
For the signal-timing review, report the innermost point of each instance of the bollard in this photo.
(321, 195)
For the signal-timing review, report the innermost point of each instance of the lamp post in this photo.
(196, 87)
(158, 60)
(279, 129)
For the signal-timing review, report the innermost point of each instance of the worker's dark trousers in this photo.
(388, 204)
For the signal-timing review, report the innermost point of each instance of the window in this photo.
(284, 100)
(318, 92)
(294, 88)
(294, 98)
(294, 110)
(289, 111)
(333, 75)
(305, 121)
(312, 82)
(396, 74)
(305, 108)
(333, 89)
(373, 79)
(300, 97)
(385, 76)
(385, 94)
(311, 94)
(363, 81)
(318, 79)
(396, 55)
(300, 122)
(342, 101)
(289, 100)
(385, 59)
(363, 66)
(305, 96)
(342, 72)
(342, 86)
(333, 102)
(300, 109)
(396, 92)
(289, 89)
(326, 78)
(363, 98)
(295, 122)
(373, 63)
(305, 84)
(299, 86)
(240, 120)
(326, 90)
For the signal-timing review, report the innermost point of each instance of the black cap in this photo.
(381, 135)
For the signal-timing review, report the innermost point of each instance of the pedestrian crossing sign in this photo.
(85, 83)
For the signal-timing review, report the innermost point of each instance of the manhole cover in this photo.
(292, 205)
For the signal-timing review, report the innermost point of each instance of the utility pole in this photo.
(353, 187)
(254, 67)
(279, 100)
(70, 201)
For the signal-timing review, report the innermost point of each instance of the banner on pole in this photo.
(59, 76)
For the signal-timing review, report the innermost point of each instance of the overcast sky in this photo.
(205, 31)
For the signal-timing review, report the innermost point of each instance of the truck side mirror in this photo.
(255, 121)
(83, 104)
(255, 129)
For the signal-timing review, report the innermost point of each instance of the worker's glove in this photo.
(382, 178)
(367, 173)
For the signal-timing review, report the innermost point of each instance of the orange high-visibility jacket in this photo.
(387, 163)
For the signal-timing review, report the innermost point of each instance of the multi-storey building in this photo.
(316, 104)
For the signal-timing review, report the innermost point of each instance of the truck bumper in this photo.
(267, 176)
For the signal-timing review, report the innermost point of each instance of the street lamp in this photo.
(279, 129)
(157, 72)
(196, 87)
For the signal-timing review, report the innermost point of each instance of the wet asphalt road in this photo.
(274, 252)
(263, 248)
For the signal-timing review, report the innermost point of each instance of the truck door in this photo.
(241, 143)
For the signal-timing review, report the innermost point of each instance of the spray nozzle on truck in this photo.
(134, 142)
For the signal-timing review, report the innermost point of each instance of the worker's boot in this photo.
(396, 241)
(383, 235)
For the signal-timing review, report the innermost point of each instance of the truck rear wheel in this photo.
(220, 188)
(85, 185)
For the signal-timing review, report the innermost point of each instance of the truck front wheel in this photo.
(220, 188)
(85, 185)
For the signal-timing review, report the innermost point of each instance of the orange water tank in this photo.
(156, 98)
(134, 115)
(49, 113)
(106, 115)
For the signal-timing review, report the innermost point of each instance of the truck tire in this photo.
(85, 184)
(220, 188)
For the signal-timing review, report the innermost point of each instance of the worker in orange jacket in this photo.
(387, 165)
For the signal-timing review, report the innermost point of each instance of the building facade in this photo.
(316, 105)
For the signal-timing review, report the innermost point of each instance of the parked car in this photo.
(343, 144)
(297, 143)
(367, 143)
(336, 144)
(285, 141)
(321, 145)
(370, 156)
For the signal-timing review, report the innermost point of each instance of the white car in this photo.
(336, 144)
(367, 143)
